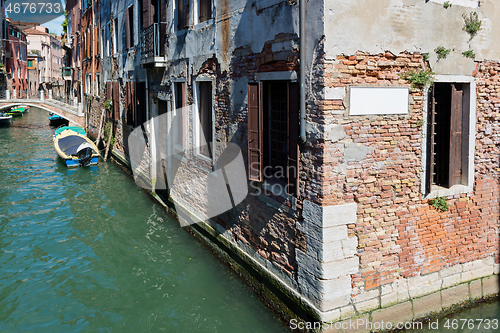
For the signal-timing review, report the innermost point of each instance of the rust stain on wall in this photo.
(225, 29)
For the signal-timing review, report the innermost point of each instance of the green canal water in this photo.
(86, 250)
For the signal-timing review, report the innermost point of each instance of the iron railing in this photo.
(66, 71)
(151, 41)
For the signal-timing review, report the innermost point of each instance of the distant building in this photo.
(34, 60)
(15, 59)
(3, 35)
(50, 64)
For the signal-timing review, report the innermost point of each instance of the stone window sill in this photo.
(438, 191)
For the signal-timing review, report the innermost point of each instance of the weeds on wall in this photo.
(446, 4)
(107, 104)
(419, 79)
(469, 54)
(107, 129)
(472, 24)
(440, 203)
(442, 52)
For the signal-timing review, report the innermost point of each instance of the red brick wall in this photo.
(400, 234)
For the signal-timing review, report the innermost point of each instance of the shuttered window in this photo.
(129, 27)
(273, 133)
(116, 100)
(140, 105)
(255, 122)
(109, 95)
(130, 103)
(182, 14)
(205, 136)
(205, 7)
(447, 137)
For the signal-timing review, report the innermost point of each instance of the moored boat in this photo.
(56, 120)
(71, 128)
(5, 119)
(16, 111)
(74, 147)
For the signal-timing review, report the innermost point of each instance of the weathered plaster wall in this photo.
(413, 26)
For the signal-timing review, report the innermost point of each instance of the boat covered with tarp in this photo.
(75, 148)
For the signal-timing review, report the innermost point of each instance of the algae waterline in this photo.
(87, 250)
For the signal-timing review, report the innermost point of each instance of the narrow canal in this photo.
(87, 250)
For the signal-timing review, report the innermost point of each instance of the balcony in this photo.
(67, 73)
(152, 43)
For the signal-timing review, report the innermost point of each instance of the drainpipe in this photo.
(302, 5)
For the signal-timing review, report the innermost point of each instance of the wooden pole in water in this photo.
(109, 142)
(100, 128)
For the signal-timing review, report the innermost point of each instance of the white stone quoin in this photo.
(324, 270)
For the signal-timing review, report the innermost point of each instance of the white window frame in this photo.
(97, 83)
(115, 35)
(469, 178)
(196, 119)
(196, 14)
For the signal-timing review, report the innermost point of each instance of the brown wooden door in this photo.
(116, 100)
(455, 171)
(255, 122)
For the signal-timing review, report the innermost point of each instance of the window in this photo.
(87, 84)
(129, 27)
(97, 84)
(205, 10)
(273, 132)
(182, 14)
(449, 112)
(30, 64)
(204, 137)
(178, 122)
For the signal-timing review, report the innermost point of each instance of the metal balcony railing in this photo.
(66, 71)
(151, 42)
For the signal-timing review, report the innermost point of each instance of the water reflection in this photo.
(87, 250)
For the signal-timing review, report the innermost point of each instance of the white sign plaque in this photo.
(378, 100)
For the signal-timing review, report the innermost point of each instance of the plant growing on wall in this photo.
(65, 23)
(107, 104)
(472, 24)
(446, 4)
(442, 52)
(107, 128)
(469, 54)
(440, 203)
(419, 79)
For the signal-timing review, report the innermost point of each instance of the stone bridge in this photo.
(69, 112)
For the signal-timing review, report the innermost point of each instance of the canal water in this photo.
(483, 318)
(86, 250)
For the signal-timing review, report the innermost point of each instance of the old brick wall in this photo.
(378, 165)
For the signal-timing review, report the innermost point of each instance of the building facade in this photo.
(49, 47)
(377, 190)
(16, 61)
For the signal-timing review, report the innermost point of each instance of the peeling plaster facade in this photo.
(360, 236)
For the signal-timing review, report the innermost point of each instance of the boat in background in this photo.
(75, 148)
(5, 119)
(57, 120)
(17, 111)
